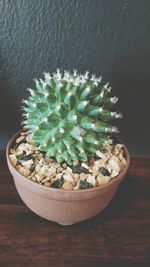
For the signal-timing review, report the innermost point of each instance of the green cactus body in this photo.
(68, 116)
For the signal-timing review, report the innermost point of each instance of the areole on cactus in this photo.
(68, 115)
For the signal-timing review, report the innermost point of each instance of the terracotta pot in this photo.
(65, 207)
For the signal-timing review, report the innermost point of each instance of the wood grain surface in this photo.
(119, 236)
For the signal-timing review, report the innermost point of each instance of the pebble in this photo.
(114, 174)
(95, 168)
(42, 161)
(64, 165)
(53, 180)
(55, 165)
(37, 168)
(79, 169)
(113, 164)
(84, 165)
(68, 177)
(20, 139)
(107, 148)
(21, 148)
(83, 176)
(28, 138)
(27, 163)
(67, 185)
(49, 160)
(13, 159)
(75, 162)
(25, 157)
(123, 162)
(59, 169)
(118, 147)
(27, 147)
(43, 169)
(39, 177)
(108, 168)
(48, 184)
(28, 152)
(31, 175)
(103, 179)
(52, 170)
(69, 169)
(34, 179)
(84, 185)
(91, 179)
(101, 155)
(23, 170)
(32, 168)
(23, 133)
(120, 156)
(46, 179)
(115, 151)
(19, 153)
(57, 183)
(58, 175)
(76, 176)
(104, 171)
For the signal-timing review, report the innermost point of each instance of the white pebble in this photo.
(101, 155)
(69, 169)
(21, 147)
(114, 173)
(114, 165)
(91, 179)
(27, 162)
(19, 152)
(84, 165)
(68, 177)
(58, 176)
(28, 153)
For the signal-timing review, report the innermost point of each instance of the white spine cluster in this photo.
(116, 115)
(47, 76)
(114, 99)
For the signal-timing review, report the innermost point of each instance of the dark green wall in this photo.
(107, 37)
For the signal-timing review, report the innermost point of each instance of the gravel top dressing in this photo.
(31, 163)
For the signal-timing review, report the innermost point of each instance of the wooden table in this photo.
(119, 236)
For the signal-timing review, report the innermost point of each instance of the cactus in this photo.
(68, 115)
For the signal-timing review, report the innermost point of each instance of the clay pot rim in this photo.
(48, 189)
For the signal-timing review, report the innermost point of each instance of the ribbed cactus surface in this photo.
(68, 115)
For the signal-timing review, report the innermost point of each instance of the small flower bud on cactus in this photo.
(68, 115)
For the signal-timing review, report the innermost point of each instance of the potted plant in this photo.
(66, 162)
